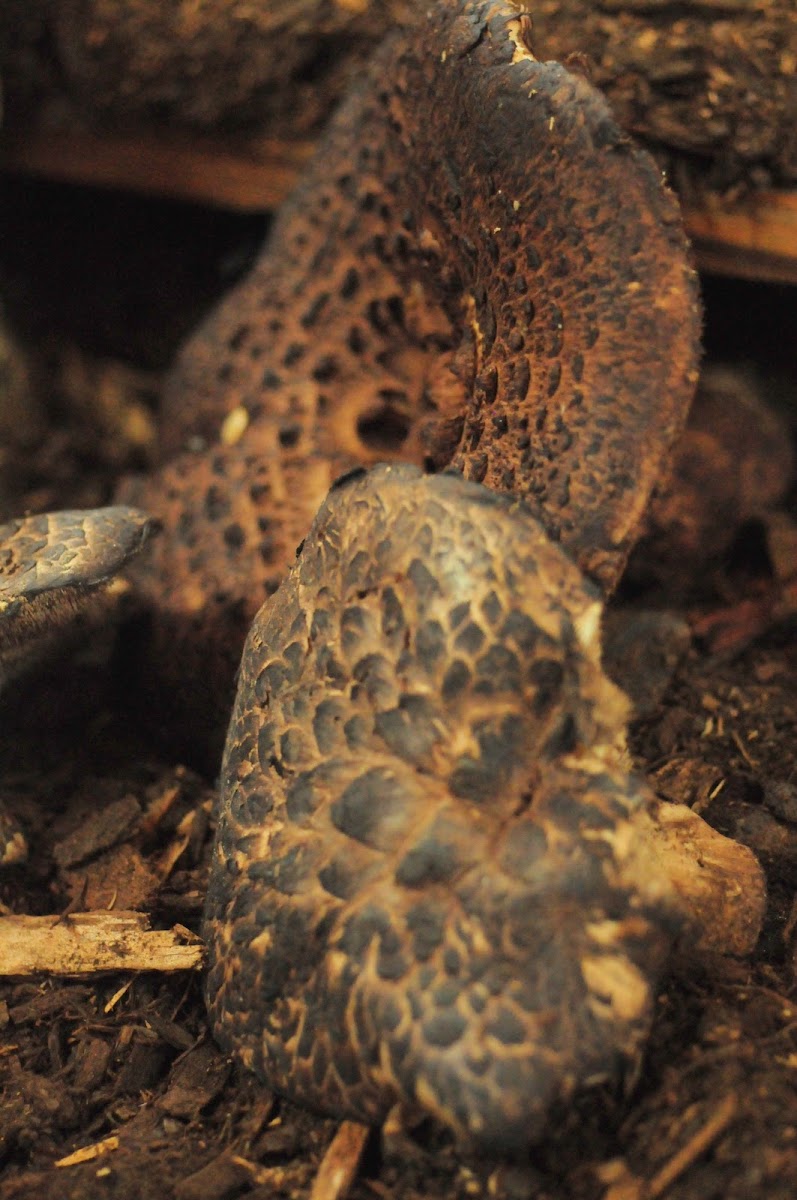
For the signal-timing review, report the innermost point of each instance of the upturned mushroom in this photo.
(478, 270)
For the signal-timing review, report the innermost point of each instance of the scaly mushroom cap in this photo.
(51, 569)
(478, 270)
(54, 572)
(427, 886)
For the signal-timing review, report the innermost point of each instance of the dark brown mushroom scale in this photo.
(54, 569)
(478, 270)
(427, 885)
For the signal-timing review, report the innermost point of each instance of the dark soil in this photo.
(714, 1112)
(709, 85)
(216, 64)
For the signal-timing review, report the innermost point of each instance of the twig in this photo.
(696, 1146)
(340, 1163)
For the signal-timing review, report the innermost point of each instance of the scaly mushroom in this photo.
(58, 579)
(478, 270)
(435, 884)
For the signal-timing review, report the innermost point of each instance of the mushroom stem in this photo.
(719, 882)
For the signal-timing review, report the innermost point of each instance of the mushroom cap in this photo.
(479, 270)
(426, 886)
(55, 572)
(52, 567)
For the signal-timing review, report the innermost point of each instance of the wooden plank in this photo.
(756, 239)
(250, 175)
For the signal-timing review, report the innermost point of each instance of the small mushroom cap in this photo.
(52, 569)
(78, 548)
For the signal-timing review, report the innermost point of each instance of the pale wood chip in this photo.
(87, 1153)
(85, 943)
(341, 1162)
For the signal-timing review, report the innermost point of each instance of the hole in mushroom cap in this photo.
(383, 428)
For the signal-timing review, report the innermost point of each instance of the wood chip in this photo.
(176, 1036)
(47, 1003)
(120, 878)
(177, 846)
(341, 1162)
(722, 1116)
(195, 1080)
(219, 1179)
(85, 943)
(88, 1153)
(91, 1059)
(107, 827)
(145, 1066)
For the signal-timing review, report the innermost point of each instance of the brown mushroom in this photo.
(54, 572)
(478, 270)
(57, 581)
(434, 882)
